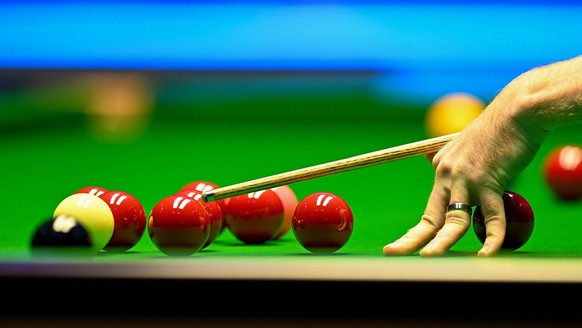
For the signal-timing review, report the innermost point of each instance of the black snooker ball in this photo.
(519, 221)
(63, 234)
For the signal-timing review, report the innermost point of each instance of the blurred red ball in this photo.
(563, 171)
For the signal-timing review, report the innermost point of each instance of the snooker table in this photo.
(48, 156)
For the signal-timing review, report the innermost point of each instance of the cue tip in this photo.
(208, 196)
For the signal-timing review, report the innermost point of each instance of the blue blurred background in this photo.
(414, 48)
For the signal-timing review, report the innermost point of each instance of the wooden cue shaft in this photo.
(343, 165)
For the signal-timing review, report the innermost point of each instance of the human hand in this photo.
(474, 168)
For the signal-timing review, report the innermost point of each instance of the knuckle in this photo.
(457, 218)
(443, 169)
(434, 223)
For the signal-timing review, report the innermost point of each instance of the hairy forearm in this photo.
(551, 96)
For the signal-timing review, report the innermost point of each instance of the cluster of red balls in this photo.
(178, 225)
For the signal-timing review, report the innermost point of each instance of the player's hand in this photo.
(473, 168)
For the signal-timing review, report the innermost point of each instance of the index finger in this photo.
(430, 223)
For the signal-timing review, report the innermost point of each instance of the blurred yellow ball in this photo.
(452, 113)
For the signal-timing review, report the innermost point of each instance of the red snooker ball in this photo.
(212, 210)
(256, 217)
(563, 172)
(130, 220)
(178, 225)
(519, 218)
(93, 190)
(322, 222)
(201, 186)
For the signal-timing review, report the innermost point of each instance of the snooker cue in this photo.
(351, 163)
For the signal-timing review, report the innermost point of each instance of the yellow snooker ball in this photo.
(451, 113)
(93, 213)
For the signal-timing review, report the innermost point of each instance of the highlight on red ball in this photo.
(322, 222)
(93, 190)
(199, 185)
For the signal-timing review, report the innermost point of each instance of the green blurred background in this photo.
(53, 143)
(150, 117)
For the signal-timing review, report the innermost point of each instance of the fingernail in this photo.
(395, 243)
